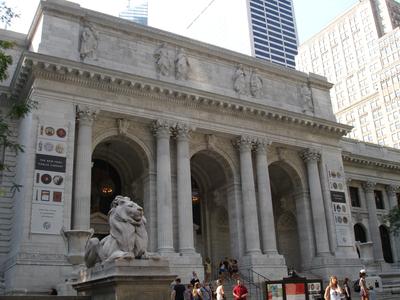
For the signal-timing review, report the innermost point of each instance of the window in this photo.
(359, 233)
(355, 198)
(379, 199)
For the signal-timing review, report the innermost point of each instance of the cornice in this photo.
(36, 65)
(369, 161)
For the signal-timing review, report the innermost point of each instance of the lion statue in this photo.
(128, 235)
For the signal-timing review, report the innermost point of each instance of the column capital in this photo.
(368, 186)
(86, 114)
(182, 131)
(392, 189)
(261, 145)
(244, 143)
(310, 155)
(161, 128)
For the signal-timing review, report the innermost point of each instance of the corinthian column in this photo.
(311, 157)
(83, 168)
(161, 130)
(265, 199)
(185, 215)
(251, 230)
(373, 223)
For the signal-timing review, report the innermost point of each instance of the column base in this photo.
(323, 267)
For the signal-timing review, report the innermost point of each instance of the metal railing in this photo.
(255, 281)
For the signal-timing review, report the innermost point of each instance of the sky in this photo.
(311, 15)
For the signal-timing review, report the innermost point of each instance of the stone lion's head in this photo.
(126, 210)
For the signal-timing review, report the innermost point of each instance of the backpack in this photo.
(356, 286)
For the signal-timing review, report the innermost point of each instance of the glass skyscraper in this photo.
(136, 11)
(273, 31)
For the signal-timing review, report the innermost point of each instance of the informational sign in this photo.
(340, 208)
(295, 291)
(314, 290)
(49, 179)
(275, 291)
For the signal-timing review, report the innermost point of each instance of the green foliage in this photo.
(393, 217)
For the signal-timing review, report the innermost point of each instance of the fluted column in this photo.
(185, 215)
(162, 131)
(251, 229)
(83, 168)
(265, 199)
(311, 157)
(373, 220)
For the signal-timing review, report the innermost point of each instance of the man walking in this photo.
(240, 291)
(178, 291)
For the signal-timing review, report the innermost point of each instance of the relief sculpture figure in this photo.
(162, 60)
(308, 105)
(256, 84)
(239, 80)
(89, 43)
(128, 236)
(181, 64)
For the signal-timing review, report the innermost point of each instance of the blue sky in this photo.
(311, 15)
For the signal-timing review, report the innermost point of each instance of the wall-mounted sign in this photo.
(49, 179)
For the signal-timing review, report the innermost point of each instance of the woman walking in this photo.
(220, 290)
(333, 290)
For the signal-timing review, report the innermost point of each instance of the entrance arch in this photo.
(285, 182)
(119, 167)
(211, 176)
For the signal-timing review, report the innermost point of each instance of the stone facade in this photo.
(220, 170)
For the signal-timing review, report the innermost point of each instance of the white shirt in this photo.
(219, 291)
(334, 293)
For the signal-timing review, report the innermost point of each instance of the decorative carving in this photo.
(392, 189)
(182, 131)
(182, 65)
(211, 141)
(306, 97)
(239, 80)
(261, 145)
(244, 143)
(161, 128)
(128, 235)
(86, 113)
(369, 186)
(123, 125)
(256, 84)
(282, 153)
(89, 43)
(162, 61)
(310, 155)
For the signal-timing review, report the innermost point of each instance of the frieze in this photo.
(347, 157)
(136, 87)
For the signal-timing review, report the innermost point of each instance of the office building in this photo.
(136, 11)
(359, 53)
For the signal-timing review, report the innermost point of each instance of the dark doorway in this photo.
(386, 245)
(359, 233)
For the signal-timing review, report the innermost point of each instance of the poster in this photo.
(340, 208)
(49, 179)
(295, 291)
(314, 290)
(275, 291)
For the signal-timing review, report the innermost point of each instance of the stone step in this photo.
(45, 297)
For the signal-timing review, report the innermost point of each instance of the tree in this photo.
(393, 217)
(19, 109)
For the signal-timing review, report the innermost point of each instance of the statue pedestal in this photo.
(123, 279)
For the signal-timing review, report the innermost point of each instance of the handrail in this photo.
(250, 279)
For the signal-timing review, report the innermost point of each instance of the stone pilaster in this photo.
(162, 131)
(251, 230)
(312, 157)
(83, 168)
(185, 215)
(391, 192)
(373, 220)
(267, 223)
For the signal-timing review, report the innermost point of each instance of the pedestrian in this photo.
(363, 285)
(240, 291)
(205, 292)
(194, 278)
(188, 292)
(220, 290)
(207, 269)
(346, 289)
(196, 291)
(333, 290)
(178, 291)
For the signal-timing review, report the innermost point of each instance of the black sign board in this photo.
(50, 163)
(338, 197)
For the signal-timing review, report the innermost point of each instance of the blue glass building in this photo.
(273, 29)
(136, 11)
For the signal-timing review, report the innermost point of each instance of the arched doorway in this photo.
(283, 187)
(210, 177)
(386, 245)
(119, 167)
